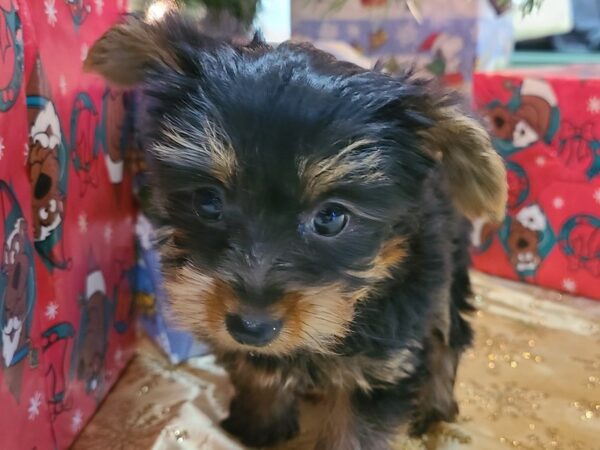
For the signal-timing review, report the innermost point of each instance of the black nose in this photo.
(522, 243)
(42, 186)
(252, 330)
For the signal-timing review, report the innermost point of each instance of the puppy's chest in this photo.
(312, 374)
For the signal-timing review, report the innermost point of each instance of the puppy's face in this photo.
(288, 181)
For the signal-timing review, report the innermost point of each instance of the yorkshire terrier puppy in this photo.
(317, 234)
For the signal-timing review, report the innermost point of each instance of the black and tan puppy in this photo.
(315, 231)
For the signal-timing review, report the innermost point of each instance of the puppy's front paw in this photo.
(261, 433)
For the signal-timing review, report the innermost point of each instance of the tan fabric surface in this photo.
(532, 381)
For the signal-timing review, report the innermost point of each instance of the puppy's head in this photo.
(287, 179)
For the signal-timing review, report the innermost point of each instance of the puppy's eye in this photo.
(330, 220)
(207, 204)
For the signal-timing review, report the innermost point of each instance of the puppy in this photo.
(314, 227)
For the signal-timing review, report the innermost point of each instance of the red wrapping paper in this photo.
(546, 124)
(66, 223)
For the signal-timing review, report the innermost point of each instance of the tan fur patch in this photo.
(316, 319)
(125, 52)
(476, 172)
(366, 374)
(333, 424)
(391, 254)
(349, 164)
(189, 143)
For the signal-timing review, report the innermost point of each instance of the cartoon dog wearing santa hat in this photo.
(47, 166)
(92, 340)
(17, 290)
(531, 115)
(527, 239)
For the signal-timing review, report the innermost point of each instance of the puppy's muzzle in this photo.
(253, 329)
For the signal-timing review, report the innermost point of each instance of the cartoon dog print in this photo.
(527, 238)
(47, 167)
(17, 290)
(92, 339)
(114, 135)
(44, 172)
(530, 116)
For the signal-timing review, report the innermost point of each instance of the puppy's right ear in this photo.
(126, 53)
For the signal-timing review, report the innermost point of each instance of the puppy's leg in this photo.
(262, 414)
(435, 397)
(336, 422)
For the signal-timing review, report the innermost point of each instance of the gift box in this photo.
(441, 38)
(66, 224)
(545, 122)
(151, 300)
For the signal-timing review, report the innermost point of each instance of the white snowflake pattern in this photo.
(597, 196)
(82, 222)
(540, 161)
(558, 202)
(99, 6)
(84, 51)
(50, 11)
(593, 105)
(118, 355)
(353, 31)
(34, 405)
(108, 231)
(569, 285)
(51, 311)
(2, 147)
(407, 34)
(62, 84)
(76, 420)
(328, 31)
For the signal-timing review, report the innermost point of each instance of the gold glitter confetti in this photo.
(546, 402)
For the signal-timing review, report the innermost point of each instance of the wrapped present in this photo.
(545, 123)
(151, 300)
(66, 224)
(441, 38)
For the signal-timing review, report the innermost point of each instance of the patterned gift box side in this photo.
(79, 219)
(151, 300)
(545, 124)
(22, 383)
(443, 45)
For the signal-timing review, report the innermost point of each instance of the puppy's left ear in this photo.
(475, 171)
